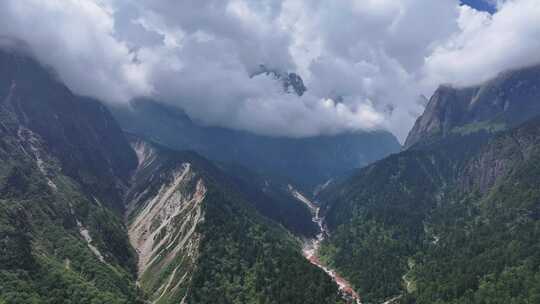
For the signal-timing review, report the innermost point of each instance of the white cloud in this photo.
(364, 62)
(77, 39)
(487, 44)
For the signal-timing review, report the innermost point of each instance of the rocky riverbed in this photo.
(311, 248)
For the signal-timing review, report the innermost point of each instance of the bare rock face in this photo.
(292, 82)
(164, 206)
(189, 225)
(444, 110)
(503, 102)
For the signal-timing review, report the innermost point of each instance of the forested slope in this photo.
(61, 229)
(68, 181)
(206, 243)
(453, 219)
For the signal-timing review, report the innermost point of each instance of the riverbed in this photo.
(311, 249)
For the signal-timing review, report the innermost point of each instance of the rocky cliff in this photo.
(501, 103)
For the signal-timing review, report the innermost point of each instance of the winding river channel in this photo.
(311, 248)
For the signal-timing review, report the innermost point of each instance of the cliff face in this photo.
(501, 103)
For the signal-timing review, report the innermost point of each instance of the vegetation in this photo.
(245, 258)
(491, 127)
(376, 221)
(64, 169)
(452, 224)
(273, 199)
(43, 257)
(488, 250)
(450, 221)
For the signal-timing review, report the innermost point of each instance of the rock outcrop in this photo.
(501, 103)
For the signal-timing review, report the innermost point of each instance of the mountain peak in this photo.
(502, 102)
(290, 81)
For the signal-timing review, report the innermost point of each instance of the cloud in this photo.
(364, 62)
(369, 51)
(76, 38)
(487, 44)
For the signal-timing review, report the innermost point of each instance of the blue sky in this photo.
(480, 5)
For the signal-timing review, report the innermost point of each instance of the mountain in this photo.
(306, 161)
(501, 103)
(90, 215)
(64, 165)
(453, 219)
(79, 131)
(201, 241)
(273, 198)
(291, 82)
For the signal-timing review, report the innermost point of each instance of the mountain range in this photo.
(91, 215)
(308, 162)
(454, 217)
(141, 204)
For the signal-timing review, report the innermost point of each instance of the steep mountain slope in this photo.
(451, 220)
(273, 198)
(78, 131)
(307, 161)
(375, 219)
(66, 174)
(504, 102)
(63, 165)
(200, 241)
(487, 248)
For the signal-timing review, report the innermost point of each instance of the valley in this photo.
(312, 246)
(90, 214)
(101, 204)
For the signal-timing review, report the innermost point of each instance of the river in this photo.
(311, 249)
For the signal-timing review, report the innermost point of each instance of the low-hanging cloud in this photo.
(77, 39)
(364, 62)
